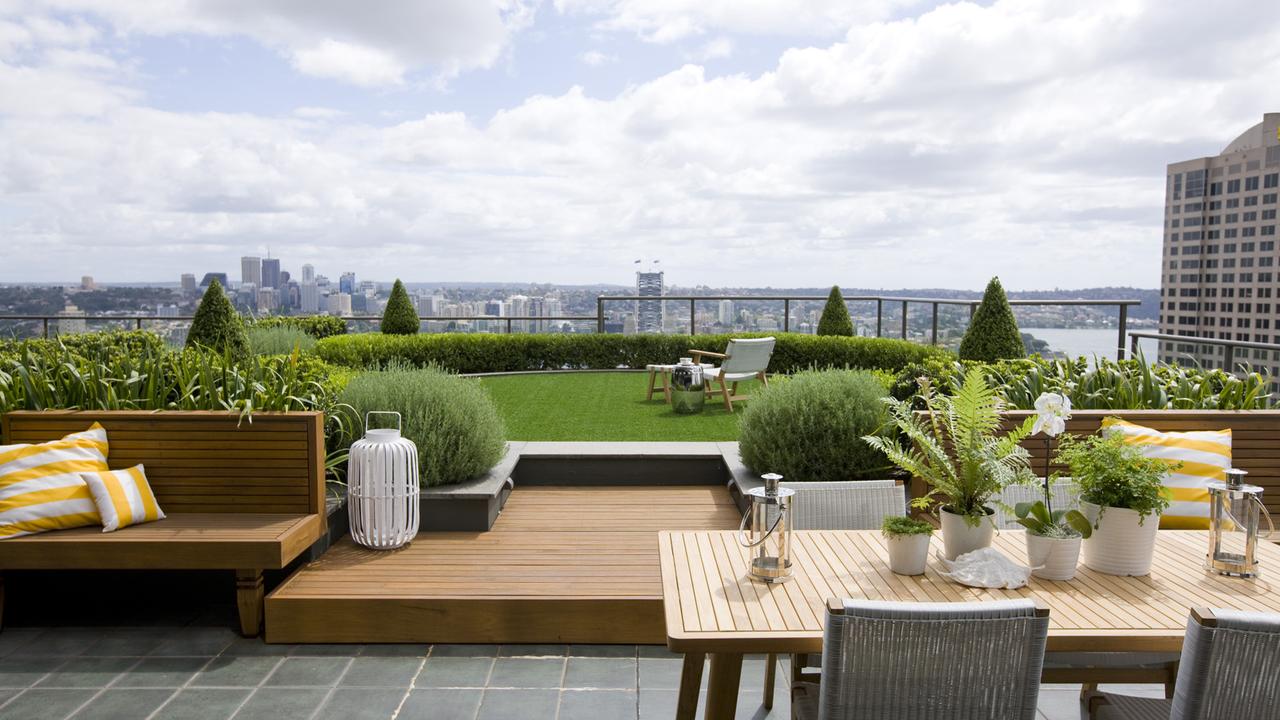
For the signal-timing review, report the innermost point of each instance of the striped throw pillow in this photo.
(1204, 454)
(40, 485)
(123, 497)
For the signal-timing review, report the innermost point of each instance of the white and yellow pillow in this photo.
(123, 497)
(40, 485)
(1204, 454)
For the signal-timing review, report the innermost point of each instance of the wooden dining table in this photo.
(713, 608)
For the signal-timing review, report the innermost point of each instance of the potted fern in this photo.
(908, 542)
(956, 446)
(1053, 539)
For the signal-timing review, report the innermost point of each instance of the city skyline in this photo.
(908, 142)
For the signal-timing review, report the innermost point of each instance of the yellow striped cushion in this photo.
(40, 485)
(1204, 455)
(123, 497)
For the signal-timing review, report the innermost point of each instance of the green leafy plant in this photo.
(956, 447)
(399, 317)
(452, 420)
(317, 326)
(993, 333)
(1037, 519)
(280, 340)
(835, 318)
(217, 326)
(809, 427)
(1113, 473)
(898, 526)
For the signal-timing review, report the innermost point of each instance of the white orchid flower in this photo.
(1052, 412)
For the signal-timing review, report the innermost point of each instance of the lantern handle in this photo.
(1271, 526)
(742, 530)
(399, 422)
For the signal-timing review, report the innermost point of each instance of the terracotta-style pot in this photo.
(959, 537)
(908, 554)
(1058, 556)
(1122, 542)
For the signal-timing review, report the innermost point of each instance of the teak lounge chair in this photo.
(743, 359)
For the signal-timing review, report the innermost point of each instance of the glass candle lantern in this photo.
(688, 393)
(1235, 511)
(766, 530)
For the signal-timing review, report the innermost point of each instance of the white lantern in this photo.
(382, 487)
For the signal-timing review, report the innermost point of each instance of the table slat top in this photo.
(711, 604)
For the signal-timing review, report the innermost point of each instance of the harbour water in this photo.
(1087, 341)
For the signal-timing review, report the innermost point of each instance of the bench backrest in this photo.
(208, 462)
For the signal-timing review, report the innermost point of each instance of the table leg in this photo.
(666, 385)
(722, 686)
(690, 684)
(652, 382)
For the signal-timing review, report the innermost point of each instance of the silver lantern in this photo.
(769, 537)
(1235, 510)
(687, 387)
(382, 487)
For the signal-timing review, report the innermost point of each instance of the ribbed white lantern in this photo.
(382, 487)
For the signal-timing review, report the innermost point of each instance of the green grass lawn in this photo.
(602, 406)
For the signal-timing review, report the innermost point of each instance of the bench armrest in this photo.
(699, 354)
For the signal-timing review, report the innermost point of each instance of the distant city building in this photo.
(210, 277)
(169, 311)
(71, 320)
(86, 283)
(339, 304)
(285, 277)
(649, 314)
(725, 314)
(268, 300)
(270, 273)
(493, 307)
(1219, 261)
(188, 283)
(308, 273)
(251, 271)
(310, 300)
(347, 283)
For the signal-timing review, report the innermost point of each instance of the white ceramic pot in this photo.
(1123, 541)
(1058, 556)
(959, 537)
(908, 554)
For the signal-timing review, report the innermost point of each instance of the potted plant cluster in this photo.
(908, 542)
(1053, 539)
(1122, 495)
(957, 447)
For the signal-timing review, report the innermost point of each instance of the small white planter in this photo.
(1059, 556)
(908, 554)
(1120, 544)
(959, 537)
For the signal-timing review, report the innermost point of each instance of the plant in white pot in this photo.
(1053, 539)
(1122, 494)
(908, 542)
(955, 445)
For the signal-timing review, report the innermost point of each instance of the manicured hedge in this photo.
(478, 353)
(317, 326)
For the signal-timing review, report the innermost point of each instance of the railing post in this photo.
(693, 319)
(1133, 346)
(600, 314)
(879, 314)
(973, 308)
(1229, 359)
(508, 325)
(786, 315)
(1124, 329)
(46, 327)
(904, 319)
(934, 332)
(139, 324)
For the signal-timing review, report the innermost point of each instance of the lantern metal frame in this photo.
(770, 517)
(382, 487)
(1235, 508)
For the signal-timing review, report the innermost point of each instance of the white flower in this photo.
(1052, 412)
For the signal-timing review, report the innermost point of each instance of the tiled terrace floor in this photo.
(204, 670)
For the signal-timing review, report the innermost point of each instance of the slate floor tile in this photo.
(518, 704)
(308, 671)
(202, 704)
(115, 704)
(527, 673)
(597, 704)
(281, 703)
(441, 704)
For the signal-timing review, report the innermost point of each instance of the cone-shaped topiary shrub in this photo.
(400, 317)
(217, 325)
(993, 333)
(835, 318)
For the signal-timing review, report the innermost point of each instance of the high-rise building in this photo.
(649, 312)
(86, 283)
(339, 304)
(271, 273)
(310, 299)
(725, 315)
(308, 273)
(188, 283)
(251, 271)
(1219, 270)
(71, 320)
(210, 277)
(347, 283)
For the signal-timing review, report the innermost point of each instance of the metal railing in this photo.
(137, 320)
(1228, 346)
(879, 300)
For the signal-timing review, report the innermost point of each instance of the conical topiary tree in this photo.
(217, 325)
(835, 318)
(400, 318)
(993, 333)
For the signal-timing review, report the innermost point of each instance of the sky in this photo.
(869, 143)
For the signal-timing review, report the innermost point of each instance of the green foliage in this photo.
(453, 422)
(317, 326)
(810, 427)
(1037, 519)
(898, 526)
(835, 318)
(1112, 473)
(280, 340)
(217, 326)
(993, 333)
(956, 446)
(116, 341)
(480, 353)
(400, 317)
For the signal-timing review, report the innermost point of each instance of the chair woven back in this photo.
(855, 505)
(1230, 669)
(1065, 495)
(912, 661)
(747, 355)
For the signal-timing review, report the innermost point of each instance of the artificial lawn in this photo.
(602, 406)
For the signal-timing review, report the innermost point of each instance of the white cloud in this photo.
(595, 58)
(717, 49)
(317, 113)
(356, 64)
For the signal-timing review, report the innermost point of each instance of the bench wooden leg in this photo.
(249, 601)
(770, 671)
(649, 395)
(690, 685)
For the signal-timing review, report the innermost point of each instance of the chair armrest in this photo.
(699, 354)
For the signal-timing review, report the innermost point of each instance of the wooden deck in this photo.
(561, 565)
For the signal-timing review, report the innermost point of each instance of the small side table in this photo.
(663, 373)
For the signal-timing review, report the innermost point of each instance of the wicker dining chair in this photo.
(909, 661)
(1230, 669)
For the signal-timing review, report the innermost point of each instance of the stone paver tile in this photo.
(22, 671)
(518, 704)
(595, 704)
(88, 672)
(454, 672)
(235, 671)
(203, 704)
(381, 672)
(162, 672)
(128, 642)
(441, 704)
(310, 672)
(281, 703)
(527, 673)
(395, 650)
(533, 651)
(361, 704)
(45, 704)
(196, 641)
(114, 704)
(657, 704)
(602, 673)
(603, 651)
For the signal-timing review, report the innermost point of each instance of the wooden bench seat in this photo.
(243, 496)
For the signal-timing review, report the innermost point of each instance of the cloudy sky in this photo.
(874, 143)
